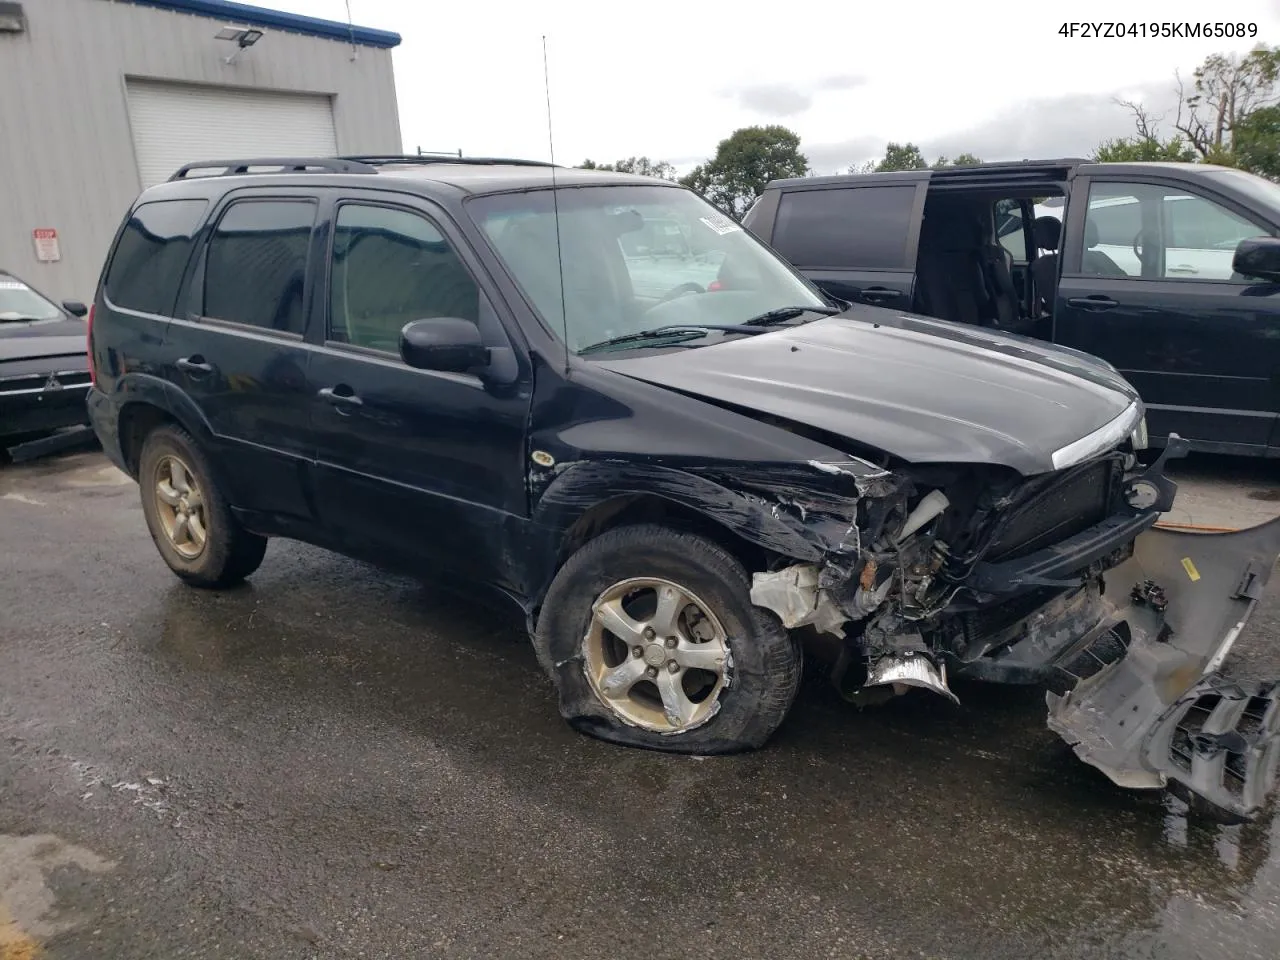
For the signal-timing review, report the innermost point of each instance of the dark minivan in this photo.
(685, 466)
(1169, 271)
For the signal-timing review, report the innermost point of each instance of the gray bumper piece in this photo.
(1164, 716)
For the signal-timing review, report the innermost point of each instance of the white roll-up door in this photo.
(176, 123)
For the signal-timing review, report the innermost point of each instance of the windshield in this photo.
(20, 302)
(636, 259)
(1263, 191)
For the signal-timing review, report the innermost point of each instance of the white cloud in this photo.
(995, 79)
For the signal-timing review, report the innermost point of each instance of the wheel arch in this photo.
(148, 402)
(589, 498)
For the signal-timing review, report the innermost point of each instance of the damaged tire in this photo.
(652, 641)
(188, 517)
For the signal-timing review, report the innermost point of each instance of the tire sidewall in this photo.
(758, 644)
(167, 441)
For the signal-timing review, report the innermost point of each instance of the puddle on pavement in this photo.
(29, 907)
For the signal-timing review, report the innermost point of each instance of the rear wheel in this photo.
(188, 517)
(651, 639)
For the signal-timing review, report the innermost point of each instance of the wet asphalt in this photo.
(334, 762)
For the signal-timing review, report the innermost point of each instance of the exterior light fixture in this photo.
(242, 37)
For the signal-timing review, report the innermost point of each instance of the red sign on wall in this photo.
(46, 241)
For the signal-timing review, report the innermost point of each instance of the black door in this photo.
(857, 243)
(238, 351)
(412, 465)
(1147, 284)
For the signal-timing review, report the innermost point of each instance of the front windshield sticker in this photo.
(720, 223)
(13, 285)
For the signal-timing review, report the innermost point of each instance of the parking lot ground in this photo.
(334, 762)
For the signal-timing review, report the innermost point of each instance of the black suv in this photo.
(600, 397)
(1169, 271)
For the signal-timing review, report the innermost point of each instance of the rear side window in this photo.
(256, 265)
(850, 227)
(146, 266)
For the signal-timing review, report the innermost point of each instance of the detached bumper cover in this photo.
(1164, 716)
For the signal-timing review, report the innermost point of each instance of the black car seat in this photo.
(1046, 234)
(997, 273)
(1095, 262)
(949, 282)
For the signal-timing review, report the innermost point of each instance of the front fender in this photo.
(766, 510)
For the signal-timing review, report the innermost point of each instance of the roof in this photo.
(279, 20)
(496, 177)
(475, 175)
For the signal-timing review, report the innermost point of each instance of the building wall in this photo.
(66, 149)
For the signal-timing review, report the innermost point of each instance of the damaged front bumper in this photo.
(1164, 715)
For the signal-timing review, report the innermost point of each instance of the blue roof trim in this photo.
(262, 17)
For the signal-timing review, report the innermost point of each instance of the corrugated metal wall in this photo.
(66, 149)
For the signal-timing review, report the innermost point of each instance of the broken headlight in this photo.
(1139, 436)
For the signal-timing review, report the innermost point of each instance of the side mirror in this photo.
(75, 308)
(443, 343)
(1258, 257)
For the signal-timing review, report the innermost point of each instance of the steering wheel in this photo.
(683, 290)
(1137, 252)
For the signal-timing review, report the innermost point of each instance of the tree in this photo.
(1143, 150)
(1257, 142)
(907, 156)
(1229, 116)
(638, 165)
(1227, 89)
(744, 163)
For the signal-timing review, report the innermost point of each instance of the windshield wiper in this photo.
(676, 333)
(783, 314)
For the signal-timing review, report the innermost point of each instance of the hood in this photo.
(923, 390)
(41, 338)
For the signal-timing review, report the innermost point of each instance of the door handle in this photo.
(194, 365)
(1092, 303)
(880, 294)
(340, 400)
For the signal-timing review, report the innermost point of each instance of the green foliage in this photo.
(1257, 142)
(1143, 150)
(744, 163)
(642, 166)
(907, 156)
(1228, 117)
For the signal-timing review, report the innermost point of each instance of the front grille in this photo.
(1081, 498)
(33, 382)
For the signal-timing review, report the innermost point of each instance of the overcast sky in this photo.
(670, 81)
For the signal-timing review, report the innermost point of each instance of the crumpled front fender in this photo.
(1164, 715)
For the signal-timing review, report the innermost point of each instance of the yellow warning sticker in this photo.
(1190, 567)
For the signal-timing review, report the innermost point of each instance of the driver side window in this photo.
(391, 267)
(1153, 232)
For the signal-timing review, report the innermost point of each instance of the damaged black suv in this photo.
(601, 397)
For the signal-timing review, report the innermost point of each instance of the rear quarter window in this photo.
(845, 227)
(147, 264)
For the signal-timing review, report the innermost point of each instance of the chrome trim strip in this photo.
(63, 389)
(1105, 438)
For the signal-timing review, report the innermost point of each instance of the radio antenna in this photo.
(555, 204)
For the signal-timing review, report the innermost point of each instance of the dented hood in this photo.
(920, 389)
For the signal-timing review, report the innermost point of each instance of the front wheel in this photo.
(651, 639)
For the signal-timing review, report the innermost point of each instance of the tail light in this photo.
(88, 342)
(714, 285)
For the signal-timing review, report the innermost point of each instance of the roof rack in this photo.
(227, 168)
(389, 158)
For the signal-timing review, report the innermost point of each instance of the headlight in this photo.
(1105, 438)
(1139, 436)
